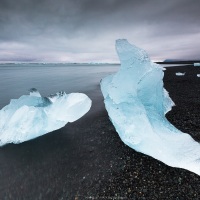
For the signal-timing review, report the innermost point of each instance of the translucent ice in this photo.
(31, 115)
(137, 102)
(197, 64)
(180, 74)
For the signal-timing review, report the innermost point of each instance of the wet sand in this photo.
(87, 160)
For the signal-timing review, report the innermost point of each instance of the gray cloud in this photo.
(85, 30)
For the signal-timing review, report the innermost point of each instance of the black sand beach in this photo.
(87, 160)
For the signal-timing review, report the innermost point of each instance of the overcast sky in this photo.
(86, 30)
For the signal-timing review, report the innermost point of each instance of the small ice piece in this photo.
(32, 115)
(136, 102)
(198, 75)
(180, 74)
(197, 64)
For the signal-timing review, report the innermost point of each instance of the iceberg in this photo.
(32, 115)
(198, 75)
(137, 102)
(180, 74)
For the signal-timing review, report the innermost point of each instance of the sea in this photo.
(48, 78)
(17, 79)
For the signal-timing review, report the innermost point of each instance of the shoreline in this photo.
(87, 159)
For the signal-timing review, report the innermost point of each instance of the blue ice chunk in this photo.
(137, 102)
(32, 115)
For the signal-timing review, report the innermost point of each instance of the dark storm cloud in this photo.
(85, 30)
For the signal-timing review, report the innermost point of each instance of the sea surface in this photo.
(17, 79)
